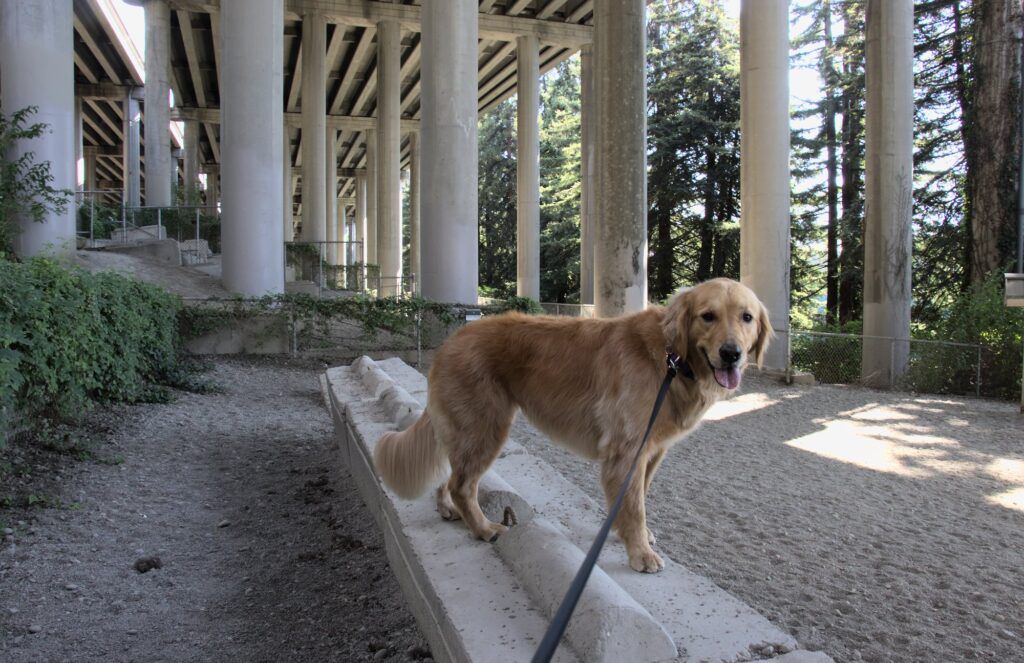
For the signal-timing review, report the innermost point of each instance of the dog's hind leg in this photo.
(473, 445)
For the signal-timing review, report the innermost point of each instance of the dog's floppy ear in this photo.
(675, 323)
(764, 334)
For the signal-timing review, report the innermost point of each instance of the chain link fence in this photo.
(938, 367)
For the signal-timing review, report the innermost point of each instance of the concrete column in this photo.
(159, 168)
(360, 220)
(389, 156)
(191, 162)
(252, 121)
(528, 168)
(36, 57)
(331, 195)
(79, 147)
(414, 209)
(342, 251)
(371, 198)
(888, 187)
(764, 162)
(448, 130)
(620, 258)
(314, 127)
(132, 160)
(587, 171)
(288, 210)
(212, 188)
(89, 167)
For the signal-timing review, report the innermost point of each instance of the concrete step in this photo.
(473, 599)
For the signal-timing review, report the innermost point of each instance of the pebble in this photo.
(144, 564)
(381, 654)
(70, 587)
(35, 628)
(224, 523)
(8, 530)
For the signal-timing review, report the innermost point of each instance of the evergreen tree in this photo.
(693, 144)
(497, 195)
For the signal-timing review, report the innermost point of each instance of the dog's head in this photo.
(719, 324)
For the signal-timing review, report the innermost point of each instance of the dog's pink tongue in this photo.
(728, 378)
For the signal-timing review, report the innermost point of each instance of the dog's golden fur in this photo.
(587, 384)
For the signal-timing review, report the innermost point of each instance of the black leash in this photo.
(549, 643)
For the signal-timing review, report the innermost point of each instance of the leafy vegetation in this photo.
(26, 187)
(69, 339)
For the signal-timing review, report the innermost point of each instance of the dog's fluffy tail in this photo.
(411, 461)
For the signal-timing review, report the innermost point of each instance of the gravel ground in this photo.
(871, 525)
(266, 551)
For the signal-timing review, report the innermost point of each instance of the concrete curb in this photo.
(480, 602)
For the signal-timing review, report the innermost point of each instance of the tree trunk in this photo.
(707, 231)
(831, 166)
(993, 148)
(851, 260)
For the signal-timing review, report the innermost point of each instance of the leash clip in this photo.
(672, 359)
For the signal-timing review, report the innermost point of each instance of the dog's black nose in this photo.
(730, 353)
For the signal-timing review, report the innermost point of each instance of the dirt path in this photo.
(267, 552)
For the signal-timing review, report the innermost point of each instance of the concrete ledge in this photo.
(480, 602)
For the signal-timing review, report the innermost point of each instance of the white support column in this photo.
(587, 170)
(414, 209)
(192, 129)
(372, 258)
(36, 38)
(159, 167)
(342, 251)
(389, 156)
(288, 208)
(212, 188)
(79, 147)
(888, 187)
(314, 127)
(360, 220)
(331, 196)
(89, 167)
(764, 163)
(252, 121)
(132, 160)
(528, 168)
(620, 259)
(449, 134)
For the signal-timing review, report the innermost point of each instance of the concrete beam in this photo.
(108, 91)
(410, 17)
(352, 123)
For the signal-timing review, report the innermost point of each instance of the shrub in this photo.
(69, 339)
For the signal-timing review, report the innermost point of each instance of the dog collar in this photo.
(678, 364)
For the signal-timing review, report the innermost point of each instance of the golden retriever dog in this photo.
(589, 385)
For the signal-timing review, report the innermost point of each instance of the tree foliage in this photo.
(26, 187)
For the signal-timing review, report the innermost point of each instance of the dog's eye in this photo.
(747, 317)
(708, 317)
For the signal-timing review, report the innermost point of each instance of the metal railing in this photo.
(571, 310)
(103, 220)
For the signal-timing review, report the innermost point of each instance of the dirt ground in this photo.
(267, 552)
(875, 526)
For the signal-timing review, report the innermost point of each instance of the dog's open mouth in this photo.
(727, 378)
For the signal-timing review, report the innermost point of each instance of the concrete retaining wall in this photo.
(486, 602)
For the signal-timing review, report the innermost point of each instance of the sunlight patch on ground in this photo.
(850, 442)
(738, 405)
(1011, 499)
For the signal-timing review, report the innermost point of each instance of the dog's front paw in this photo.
(646, 561)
